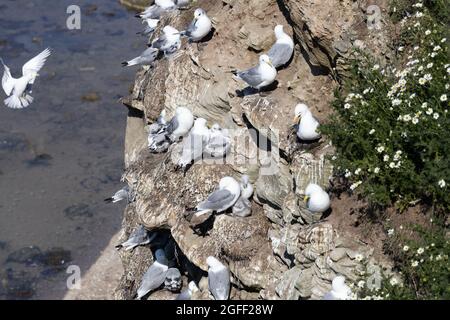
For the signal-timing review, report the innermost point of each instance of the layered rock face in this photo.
(281, 251)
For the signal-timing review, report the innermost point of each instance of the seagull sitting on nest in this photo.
(168, 42)
(139, 237)
(194, 143)
(179, 126)
(155, 275)
(199, 27)
(146, 58)
(260, 76)
(282, 50)
(316, 199)
(218, 201)
(219, 143)
(306, 123)
(243, 206)
(19, 90)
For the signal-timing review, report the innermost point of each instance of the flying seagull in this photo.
(19, 90)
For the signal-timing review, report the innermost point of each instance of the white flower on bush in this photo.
(372, 131)
(386, 158)
(443, 98)
(361, 284)
(429, 111)
(376, 170)
(424, 105)
(415, 263)
(438, 257)
(443, 40)
(358, 171)
(355, 185)
(428, 32)
(347, 106)
(433, 54)
(380, 149)
(437, 48)
(419, 14)
(405, 248)
(436, 116)
(420, 250)
(393, 282)
(415, 120)
(422, 81)
(420, 68)
(396, 102)
(441, 184)
(397, 155)
(376, 67)
(430, 65)
(418, 5)
(406, 118)
(347, 174)
(412, 96)
(428, 77)
(392, 165)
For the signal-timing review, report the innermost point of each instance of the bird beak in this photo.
(297, 119)
(270, 63)
(305, 199)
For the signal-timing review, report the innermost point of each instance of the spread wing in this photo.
(280, 54)
(8, 81)
(36, 63)
(219, 284)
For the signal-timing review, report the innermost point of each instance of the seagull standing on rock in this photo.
(307, 124)
(281, 52)
(316, 199)
(122, 194)
(260, 76)
(199, 27)
(218, 201)
(139, 237)
(151, 26)
(19, 90)
(155, 275)
(194, 143)
(154, 11)
(218, 279)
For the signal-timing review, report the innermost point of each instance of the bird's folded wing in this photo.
(35, 64)
(219, 283)
(280, 54)
(217, 200)
(7, 80)
(251, 76)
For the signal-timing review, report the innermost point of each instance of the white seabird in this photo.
(179, 126)
(155, 275)
(260, 76)
(122, 194)
(169, 41)
(199, 27)
(307, 124)
(139, 237)
(194, 143)
(187, 294)
(145, 58)
(159, 7)
(219, 143)
(339, 290)
(316, 199)
(243, 206)
(281, 52)
(218, 201)
(151, 26)
(19, 90)
(218, 279)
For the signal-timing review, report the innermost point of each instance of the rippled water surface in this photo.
(60, 157)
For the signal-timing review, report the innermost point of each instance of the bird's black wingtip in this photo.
(108, 200)
(124, 64)
(137, 15)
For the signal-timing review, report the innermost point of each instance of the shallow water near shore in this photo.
(60, 157)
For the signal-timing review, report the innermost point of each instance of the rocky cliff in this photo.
(281, 251)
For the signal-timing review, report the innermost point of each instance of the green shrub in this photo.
(391, 128)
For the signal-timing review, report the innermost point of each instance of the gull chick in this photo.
(307, 124)
(316, 199)
(199, 27)
(187, 294)
(18, 90)
(243, 206)
(281, 52)
(260, 76)
(339, 290)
